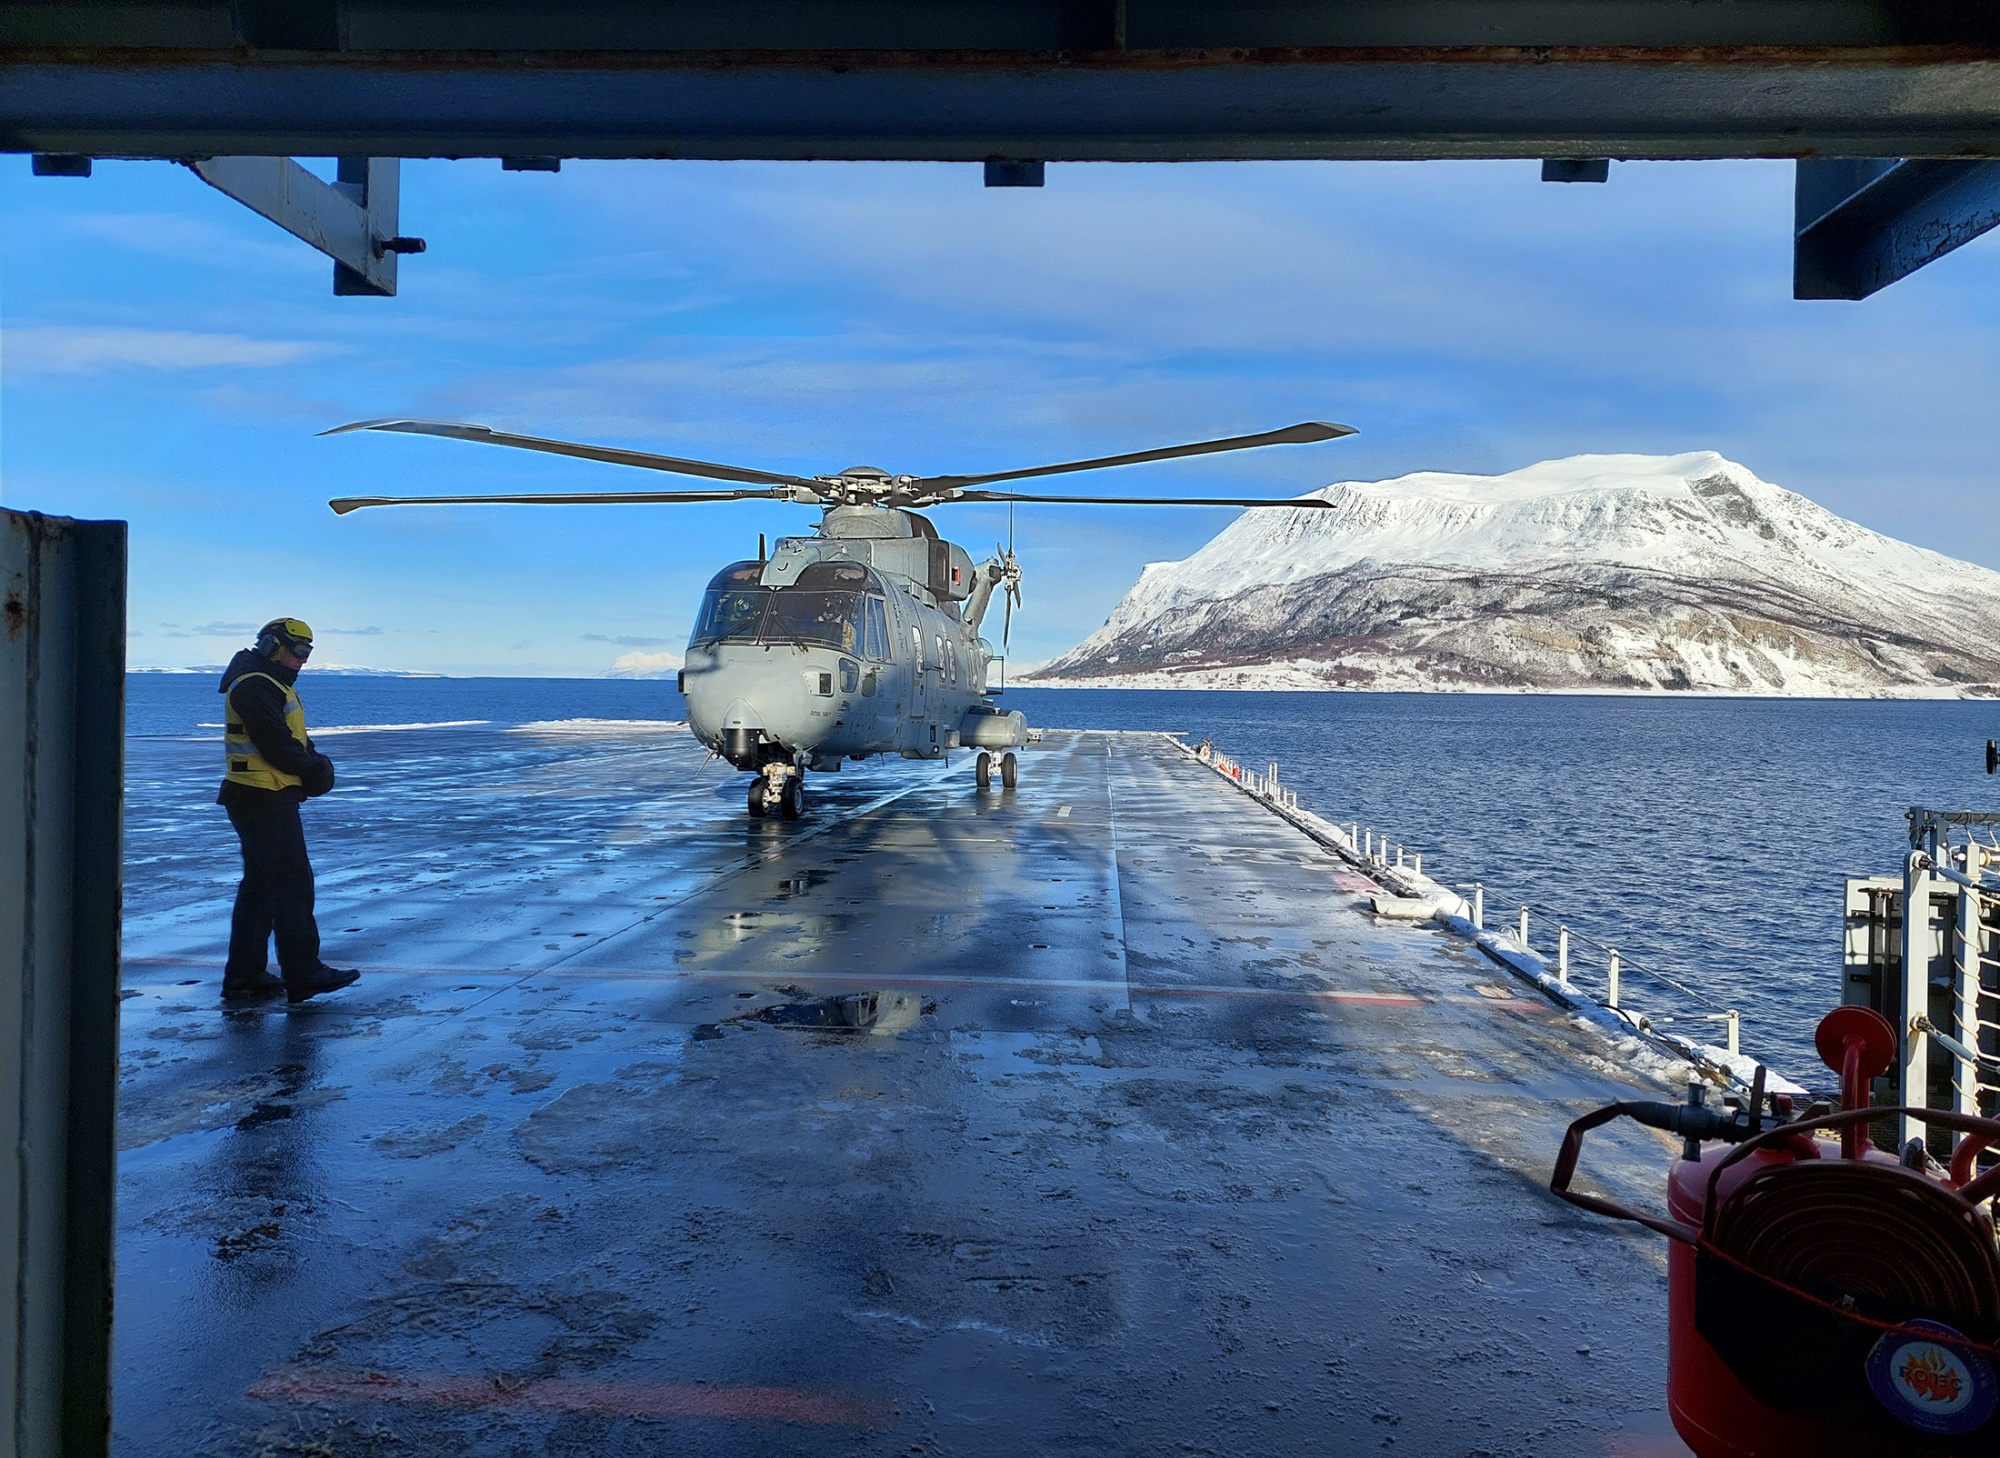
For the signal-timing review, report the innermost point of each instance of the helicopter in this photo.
(862, 639)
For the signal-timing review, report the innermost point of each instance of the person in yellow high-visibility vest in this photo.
(269, 769)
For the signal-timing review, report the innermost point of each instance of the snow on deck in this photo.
(1094, 1117)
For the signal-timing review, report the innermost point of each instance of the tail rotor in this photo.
(1010, 577)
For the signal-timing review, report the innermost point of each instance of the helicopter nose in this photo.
(742, 728)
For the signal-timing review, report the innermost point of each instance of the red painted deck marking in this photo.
(556, 1394)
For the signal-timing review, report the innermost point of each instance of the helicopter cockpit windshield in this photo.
(826, 605)
(832, 603)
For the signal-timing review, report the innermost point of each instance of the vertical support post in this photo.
(375, 186)
(1562, 957)
(1417, 863)
(1399, 854)
(1523, 932)
(1368, 844)
(1478, 906)
(1613, 977)
(1731, 1022)
(1913, 996)
(1354, 833)
(1965, 990)
(62, 758)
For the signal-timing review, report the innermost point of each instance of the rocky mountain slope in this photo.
(1594, 573)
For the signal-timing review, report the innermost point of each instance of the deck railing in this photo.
(1603, 994)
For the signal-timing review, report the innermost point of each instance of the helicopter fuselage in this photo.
(852, 643)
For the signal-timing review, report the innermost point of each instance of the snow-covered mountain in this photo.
(1637, 573)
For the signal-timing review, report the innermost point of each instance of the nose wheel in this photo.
(780, 790)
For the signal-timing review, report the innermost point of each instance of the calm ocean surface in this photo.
(1705, 837)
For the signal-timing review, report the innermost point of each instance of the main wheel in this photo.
(792, 799)
(1010, 770)
(758, 790)
(982, 772)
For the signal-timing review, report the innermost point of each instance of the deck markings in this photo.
(1361, 997)
(559, 1394)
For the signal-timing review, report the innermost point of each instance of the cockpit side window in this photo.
(877, 635)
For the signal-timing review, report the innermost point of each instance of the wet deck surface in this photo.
(1156, 1143)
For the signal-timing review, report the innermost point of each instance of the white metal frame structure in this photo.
(1935, 976)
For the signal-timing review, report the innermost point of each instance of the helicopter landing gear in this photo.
(779, 788)
(1010, 771)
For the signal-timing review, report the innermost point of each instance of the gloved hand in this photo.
(320, 780)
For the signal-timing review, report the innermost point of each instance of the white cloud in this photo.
(68, 350)
(646, 665)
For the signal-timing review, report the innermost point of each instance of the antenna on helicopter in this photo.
(761, 552)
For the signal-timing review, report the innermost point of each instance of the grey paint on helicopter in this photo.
(861, 640)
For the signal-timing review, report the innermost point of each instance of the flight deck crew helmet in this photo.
(287, 633)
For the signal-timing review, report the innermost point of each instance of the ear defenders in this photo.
(288, 633)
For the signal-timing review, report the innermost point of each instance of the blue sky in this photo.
(167, 357)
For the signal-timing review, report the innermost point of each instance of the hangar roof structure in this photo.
(1892, 107)
(1112, 80)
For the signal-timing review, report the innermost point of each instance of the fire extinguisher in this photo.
(1824, 1299)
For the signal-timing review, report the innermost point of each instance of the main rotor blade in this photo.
(343, 504)
(1304, 434)
(1303, 503)
(645, 460)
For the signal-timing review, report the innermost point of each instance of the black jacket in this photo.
(260, 704)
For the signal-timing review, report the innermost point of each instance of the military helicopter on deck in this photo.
(860, 640)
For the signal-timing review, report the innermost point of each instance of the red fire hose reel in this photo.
(1822, 1298)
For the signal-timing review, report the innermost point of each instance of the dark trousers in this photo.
(276, 894)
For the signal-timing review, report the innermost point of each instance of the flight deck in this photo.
(1095, 1116)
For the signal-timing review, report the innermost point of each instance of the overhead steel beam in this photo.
(62, 773)
(965, 25)
(963, 106)
(352, 219)
(1861, 225)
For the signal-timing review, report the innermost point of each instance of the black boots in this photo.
(245, 989)
(321, 979)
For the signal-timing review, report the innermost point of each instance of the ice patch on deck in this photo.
(383, 728)
(599, 726)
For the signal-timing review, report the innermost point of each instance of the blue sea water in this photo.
(1706, 838)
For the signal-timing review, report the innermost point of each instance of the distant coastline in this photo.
(1166, 683)
(318, 671)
